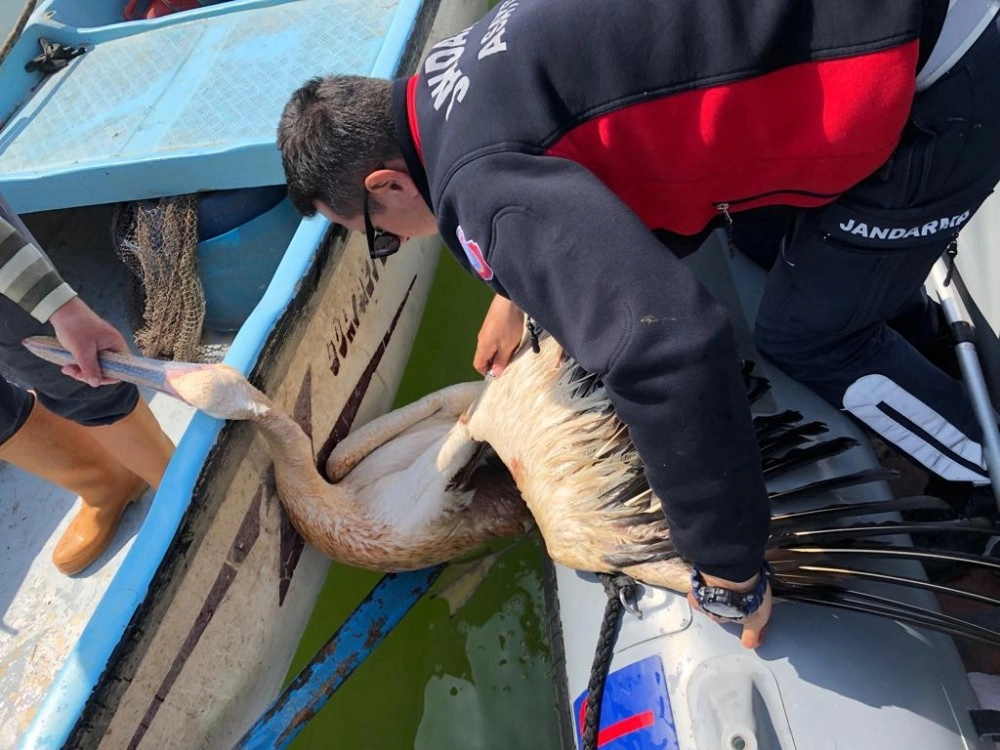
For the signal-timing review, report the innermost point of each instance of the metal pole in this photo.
(964, 333)
(370, 622)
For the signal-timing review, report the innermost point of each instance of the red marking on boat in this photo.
(619, 728)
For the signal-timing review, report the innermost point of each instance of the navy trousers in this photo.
(849, 272)
(61, 394)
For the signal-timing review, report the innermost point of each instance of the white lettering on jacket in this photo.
(447, 83)
(446, 80)
(492, 41)
(874, 232)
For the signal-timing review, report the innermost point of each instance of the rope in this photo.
(15, 33)
(620, 589)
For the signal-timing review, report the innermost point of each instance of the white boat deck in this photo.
(43, 612)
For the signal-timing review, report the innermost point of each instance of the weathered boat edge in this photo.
(78, 678)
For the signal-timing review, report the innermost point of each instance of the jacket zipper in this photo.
(725, 206)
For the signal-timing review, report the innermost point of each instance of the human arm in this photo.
(501, 332)
(28, 278)
(571, 255)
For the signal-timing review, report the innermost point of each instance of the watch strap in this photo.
(745, 602)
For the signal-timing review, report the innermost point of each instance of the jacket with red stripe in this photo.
(550, 137)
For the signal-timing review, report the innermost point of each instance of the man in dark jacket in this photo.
(550, 140)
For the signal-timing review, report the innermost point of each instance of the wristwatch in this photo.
(723, 602)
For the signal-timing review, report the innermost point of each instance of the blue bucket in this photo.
(242, 236)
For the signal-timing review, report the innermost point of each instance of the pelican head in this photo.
(216, 389)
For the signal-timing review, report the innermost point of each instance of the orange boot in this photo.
(64, 453)
(138, 442)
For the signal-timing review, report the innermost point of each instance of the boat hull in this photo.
(212, 646)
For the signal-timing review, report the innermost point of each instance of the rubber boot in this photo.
(139, 445)
(65, 454)
(138, 442)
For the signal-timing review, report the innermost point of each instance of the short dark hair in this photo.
(334, 132)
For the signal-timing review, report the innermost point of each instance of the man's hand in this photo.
(753, 626)
(84, 334)
(501, 332)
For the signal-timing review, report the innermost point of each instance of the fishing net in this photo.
(157, 241)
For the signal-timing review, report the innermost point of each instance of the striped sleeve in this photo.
(27, 276)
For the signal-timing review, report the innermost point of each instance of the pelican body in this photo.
(551, 424)
(405, 491)
(409, 489)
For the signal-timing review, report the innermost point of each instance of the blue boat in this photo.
(181, 634)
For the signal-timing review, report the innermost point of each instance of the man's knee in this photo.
(823, 368)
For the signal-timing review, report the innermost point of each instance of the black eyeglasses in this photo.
(381, 244)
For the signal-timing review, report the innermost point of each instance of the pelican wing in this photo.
(812, 551)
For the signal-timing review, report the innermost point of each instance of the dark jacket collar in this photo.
(408, 132)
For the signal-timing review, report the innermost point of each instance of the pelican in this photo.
(406, 491)
(399, 495)
(552, 425)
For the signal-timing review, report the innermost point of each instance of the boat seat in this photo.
(174, 105)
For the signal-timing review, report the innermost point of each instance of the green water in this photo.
(479, 681)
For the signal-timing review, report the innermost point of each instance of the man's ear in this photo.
(391, 181)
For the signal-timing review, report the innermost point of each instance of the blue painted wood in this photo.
(182, 104)
(370, 622)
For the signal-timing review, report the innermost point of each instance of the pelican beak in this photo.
(154, 373)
